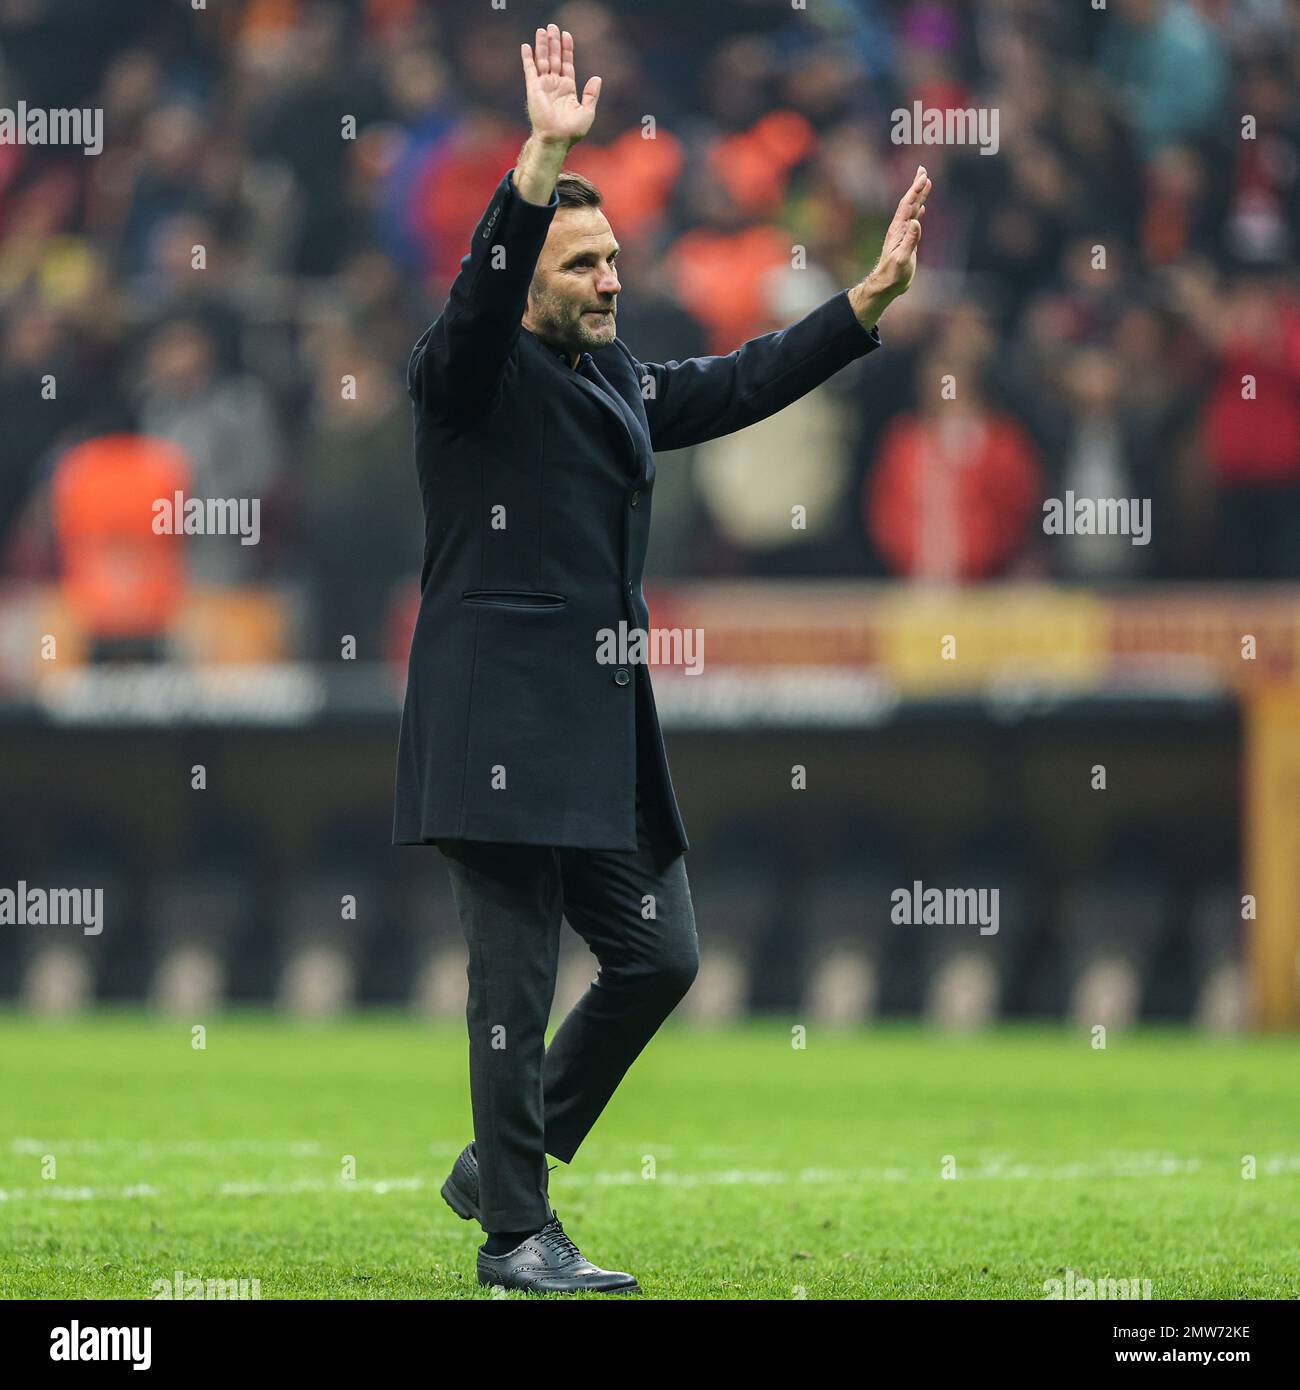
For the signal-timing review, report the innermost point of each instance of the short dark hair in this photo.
(575, 191)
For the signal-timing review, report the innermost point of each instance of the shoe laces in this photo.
(553, 1236)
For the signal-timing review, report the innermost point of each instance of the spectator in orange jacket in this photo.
(122, 581)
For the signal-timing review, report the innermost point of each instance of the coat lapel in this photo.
(588, 378)
(642, 453)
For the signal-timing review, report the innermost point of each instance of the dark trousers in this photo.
(1259, 532)
(633, 908)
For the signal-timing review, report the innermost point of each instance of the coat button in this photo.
(622, 676)
(636, 497)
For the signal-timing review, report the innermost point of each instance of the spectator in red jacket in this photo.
(955, 488)
(1251, 422)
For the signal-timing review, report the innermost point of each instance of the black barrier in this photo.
(244, 833)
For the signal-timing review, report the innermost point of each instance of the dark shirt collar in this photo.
(558, 352)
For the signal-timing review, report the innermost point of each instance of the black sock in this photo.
(503, 1242)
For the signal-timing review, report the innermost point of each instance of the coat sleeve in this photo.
(705, 397)
(458, 362)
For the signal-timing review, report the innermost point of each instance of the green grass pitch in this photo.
(730, 1164)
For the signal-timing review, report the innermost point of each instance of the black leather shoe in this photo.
(549, 1262)
(460, 1191)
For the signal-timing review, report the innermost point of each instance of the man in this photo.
(537, 768)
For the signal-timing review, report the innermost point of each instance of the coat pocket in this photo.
(514, 598)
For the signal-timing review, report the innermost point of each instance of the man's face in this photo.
(573, 299)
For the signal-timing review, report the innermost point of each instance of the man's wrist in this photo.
(869, 299)
(539, 164)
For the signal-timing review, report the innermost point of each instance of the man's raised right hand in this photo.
(557, 116)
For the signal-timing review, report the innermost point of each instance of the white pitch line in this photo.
(202, 1148)
(1134, 1166)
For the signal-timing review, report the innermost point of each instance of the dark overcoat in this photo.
(537, 480)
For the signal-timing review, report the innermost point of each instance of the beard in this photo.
(563, 323)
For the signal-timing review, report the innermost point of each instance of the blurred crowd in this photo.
(223, 302)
